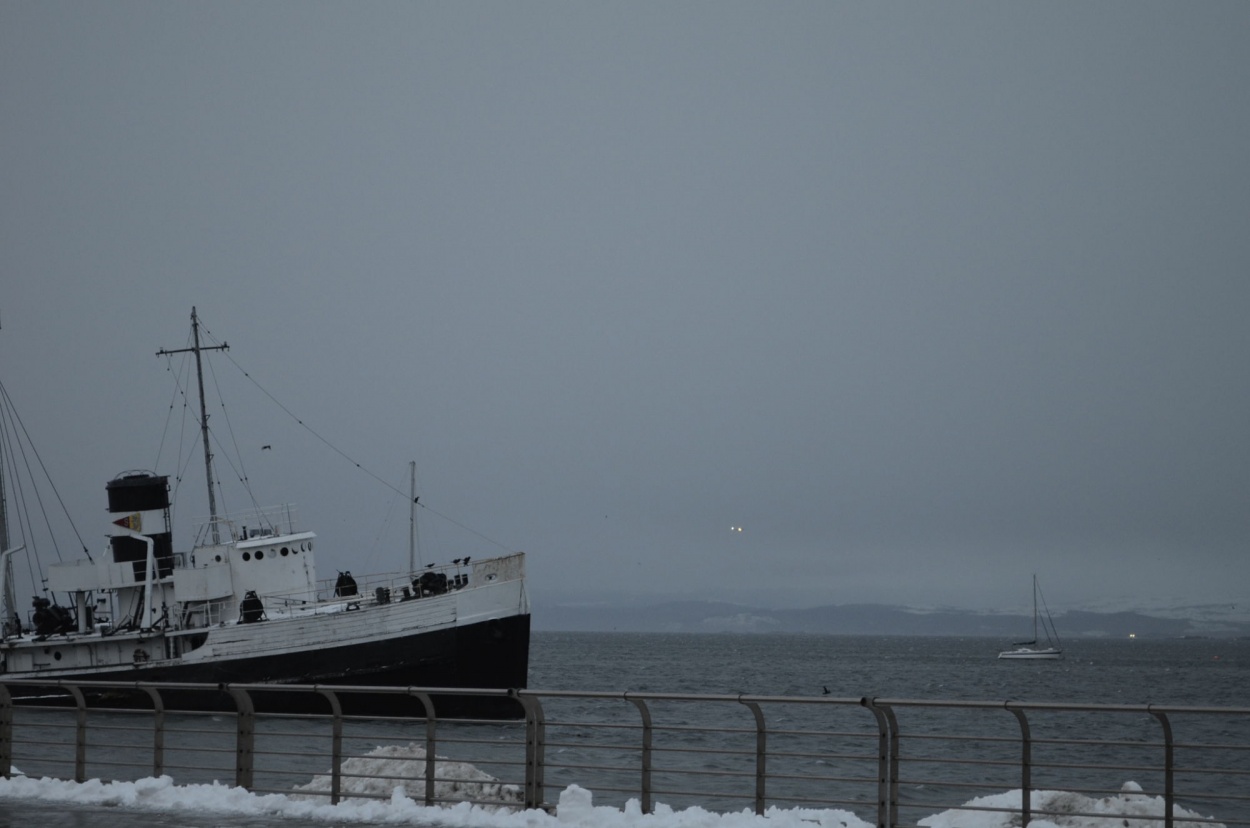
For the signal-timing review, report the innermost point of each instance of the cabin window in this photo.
(284, 552)
(247, 556)
(260, 554)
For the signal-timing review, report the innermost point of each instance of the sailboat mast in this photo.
(1035, 607)
(196, 348)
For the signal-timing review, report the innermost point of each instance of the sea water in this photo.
(1195, 672)
(1191, 672)
(1130, 672)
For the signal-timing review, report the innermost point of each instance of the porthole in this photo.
(285, 552)
(260, 554)
(217, 558)
(57, 655)
(247, 556)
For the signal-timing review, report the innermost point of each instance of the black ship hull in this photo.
(488, 655)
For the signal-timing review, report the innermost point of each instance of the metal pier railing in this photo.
(890, 761)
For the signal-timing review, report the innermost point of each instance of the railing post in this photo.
(158, 729)
(80, 733)
(761, 754)
(1169, 794)
(645, 713)
(535, 747)
(336, 743)
(1026, 765)
(6, 732)
(245, 738)
(893, 724)
(885, 814)
(431, 761)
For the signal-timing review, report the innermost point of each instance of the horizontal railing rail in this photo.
(890, 761)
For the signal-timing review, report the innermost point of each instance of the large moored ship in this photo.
(244, 605)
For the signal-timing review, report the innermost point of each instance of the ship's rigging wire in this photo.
(207, 334)
(169, 416)
(188, 410)
(1050, 621)
(180, 466)
(241, 472)
(383, 527)
(17, 440)
(19, 499)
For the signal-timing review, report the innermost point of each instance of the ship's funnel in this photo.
(139, 501)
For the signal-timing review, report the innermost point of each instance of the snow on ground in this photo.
(575, 808)
(368, 775)
(1117, 811)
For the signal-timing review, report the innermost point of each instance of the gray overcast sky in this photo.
(926, 297)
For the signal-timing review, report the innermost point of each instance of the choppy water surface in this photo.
(1191, 672)
(1121, 671)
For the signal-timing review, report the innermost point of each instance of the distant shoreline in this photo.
(868, 619)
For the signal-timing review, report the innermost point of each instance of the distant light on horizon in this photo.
(735, 528)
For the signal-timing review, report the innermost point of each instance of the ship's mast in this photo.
(196, 348)
(412, 516)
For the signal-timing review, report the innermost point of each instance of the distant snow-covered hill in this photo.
(875, 619)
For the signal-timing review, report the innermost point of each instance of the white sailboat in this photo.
(1031, 649)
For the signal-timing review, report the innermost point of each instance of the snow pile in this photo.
(576, 808)
(160, 794)
(1116, 811)
(402, 767)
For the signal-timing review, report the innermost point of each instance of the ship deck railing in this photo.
(372, 589)
(262, 522)
(889, 761)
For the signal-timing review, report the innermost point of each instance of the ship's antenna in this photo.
(196, 348)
